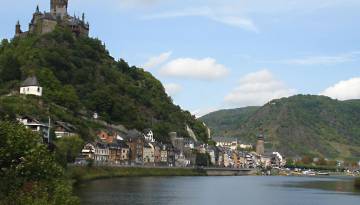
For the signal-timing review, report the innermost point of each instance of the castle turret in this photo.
(59, 8)
(18, 29)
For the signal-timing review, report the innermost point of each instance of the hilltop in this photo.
(79, 77)
(296, 126)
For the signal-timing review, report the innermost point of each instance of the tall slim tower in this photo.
(59, 8)
(18, 29)
(260, 148)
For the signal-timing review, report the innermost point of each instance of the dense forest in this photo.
(297, 126)
(79, 78)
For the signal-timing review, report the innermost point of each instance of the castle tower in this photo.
(18, 29)
(59, 8)
(260, 148)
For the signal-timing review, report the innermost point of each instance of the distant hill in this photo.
(79, 78)
(297, 126)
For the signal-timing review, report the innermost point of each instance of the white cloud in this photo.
(324, 60)
(218, 15)
(172, 88)
(344, 90)
(256, 89)
(204, 69)
(157, 60)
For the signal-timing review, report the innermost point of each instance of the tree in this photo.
(29, 173)
(202, 159)
(68, 148)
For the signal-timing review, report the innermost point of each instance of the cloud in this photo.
(344, 90)
(217, 15)
(204, 69)
(172, 88)
(256, 89)
(324, 60)
(157, 60)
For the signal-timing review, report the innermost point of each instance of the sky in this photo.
(212, 54)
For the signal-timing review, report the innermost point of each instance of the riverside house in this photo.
(119, 152)
(88, 152)
(136, 143)
(102, 152)
(148, 154)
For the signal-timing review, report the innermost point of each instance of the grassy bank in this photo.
(80, 174)
(357, 183)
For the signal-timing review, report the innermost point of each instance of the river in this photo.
(249, 190)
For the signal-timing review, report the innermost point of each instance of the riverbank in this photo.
(357, 183)
(81, 174)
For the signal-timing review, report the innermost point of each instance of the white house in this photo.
(148, 153)
(149, 135)
(88, 151)
(31, 86)
(102, 152)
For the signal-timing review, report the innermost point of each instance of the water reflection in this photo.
(336, 184)
(220, 190)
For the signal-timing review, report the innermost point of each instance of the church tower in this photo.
(59, 8)
(260, 148)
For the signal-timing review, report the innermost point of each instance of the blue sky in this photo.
(214, 54)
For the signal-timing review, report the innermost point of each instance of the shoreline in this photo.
(84, 174)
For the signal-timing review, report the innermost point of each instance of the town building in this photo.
(106, 137)
(177, 142)
(136, 143)
(157, 153)
(36, 126)
(31, 86)
(164, 155)
(45, 22)
(102, 152)
(88, 152)
(260, 149)
(148, 154)
(226, 142)
(63, 129)
(149, 135)
(119, 152)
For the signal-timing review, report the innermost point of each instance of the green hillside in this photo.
(228, 122)
(297, 126)
(79, 78)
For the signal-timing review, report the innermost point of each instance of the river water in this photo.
(246, 190)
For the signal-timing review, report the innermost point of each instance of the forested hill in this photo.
(297, 126)
(79, 78)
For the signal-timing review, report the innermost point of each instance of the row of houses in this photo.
(136, 148)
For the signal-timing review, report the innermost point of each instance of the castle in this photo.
(46, 22)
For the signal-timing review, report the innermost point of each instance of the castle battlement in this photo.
(45, 22)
